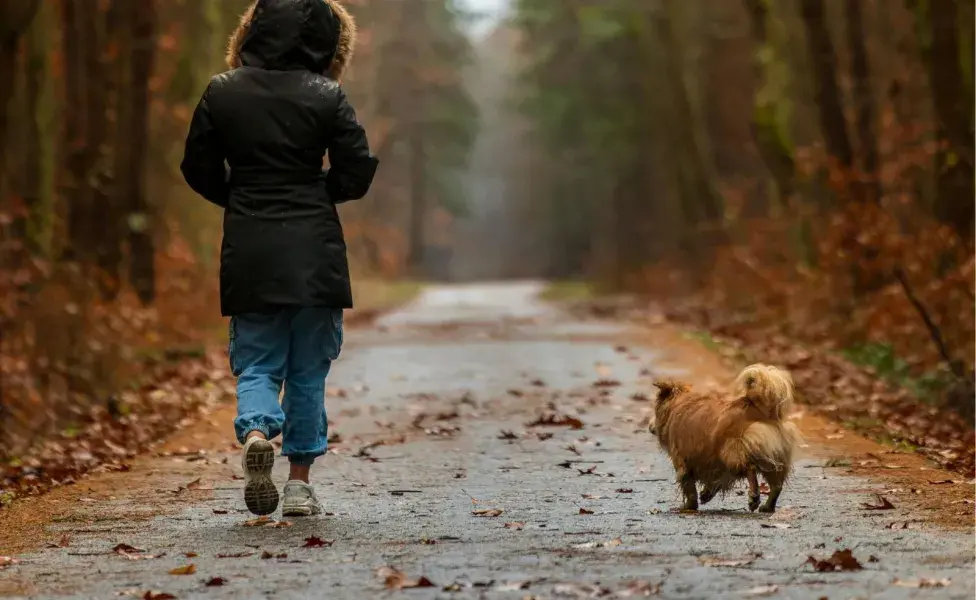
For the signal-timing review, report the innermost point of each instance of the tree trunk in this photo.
(142, 272)
(15, 18)
(73, 178)
(869, 183)
(109, 202)
(701, 192)
(769, 137)
(954, 204)
(823, 61)
(418, 204)
(31, 186)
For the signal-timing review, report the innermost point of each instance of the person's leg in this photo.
(258, 358)
(316, 340)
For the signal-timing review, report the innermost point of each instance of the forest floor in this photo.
(444, 480)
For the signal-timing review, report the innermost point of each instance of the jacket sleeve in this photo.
(203, 158)
(351, 166)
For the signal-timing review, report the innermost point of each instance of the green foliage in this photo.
(568, 291)
(882, 360)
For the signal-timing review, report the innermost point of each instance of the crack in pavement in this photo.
(584, 512)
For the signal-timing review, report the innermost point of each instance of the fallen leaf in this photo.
(189, 569)
(610, 544)
(624, 491)
(395, 579)
(190, 554)
(924, 583)
(317, 542)
(158, 596)
(218, 511)
(487, 512)
(543, 436)
(715, 561)
(591, 497)
(639, 588)
(236, 555)
(216, 581)
(258, 522)
(775, 525)
(639, 397)
(763, 590)
(268, 555)
(551, 419)
(505, 434)
(883, 504)
(584, 511)
(517, 525)
(840, 560)
(281, 524)
(580, 590)
(63, 542)
(126, 549)
(605, 383)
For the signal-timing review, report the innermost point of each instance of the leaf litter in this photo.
(883, 504)
(840, 560)
(395, 579)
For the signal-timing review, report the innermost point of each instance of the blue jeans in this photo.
(294, 347)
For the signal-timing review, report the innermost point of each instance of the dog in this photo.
(717, 440)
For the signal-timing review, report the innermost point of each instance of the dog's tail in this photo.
(769, 388)
(767, 445)
(668, 389)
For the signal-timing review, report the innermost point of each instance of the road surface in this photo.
(432, 407)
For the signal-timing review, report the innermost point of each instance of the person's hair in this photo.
(344, 52)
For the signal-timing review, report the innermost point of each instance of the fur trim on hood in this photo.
(344, 51)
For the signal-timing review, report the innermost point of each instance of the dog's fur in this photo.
(719, 439)
(341, 61)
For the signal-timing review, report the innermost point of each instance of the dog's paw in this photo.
(753, 503)
(706, 496)
(765, 508)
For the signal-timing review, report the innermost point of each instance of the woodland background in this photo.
(780, 172)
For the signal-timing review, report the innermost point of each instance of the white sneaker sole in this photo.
(299, 511)
(260, 493)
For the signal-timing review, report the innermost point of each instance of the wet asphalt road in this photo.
(496, 356)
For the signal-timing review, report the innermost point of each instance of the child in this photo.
(284, 278)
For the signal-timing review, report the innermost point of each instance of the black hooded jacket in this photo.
(273, 120)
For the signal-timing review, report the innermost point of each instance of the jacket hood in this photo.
(316, 35)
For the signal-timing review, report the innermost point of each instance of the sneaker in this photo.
(260, 493)
(300, 500)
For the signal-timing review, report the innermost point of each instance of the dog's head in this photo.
(668, 389)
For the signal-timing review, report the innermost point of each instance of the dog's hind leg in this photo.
(753, 489)
(707, 494)
(775, 479)
(689, 489)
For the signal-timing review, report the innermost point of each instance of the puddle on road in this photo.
(489, 367)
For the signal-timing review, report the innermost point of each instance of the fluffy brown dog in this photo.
(717, 440)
